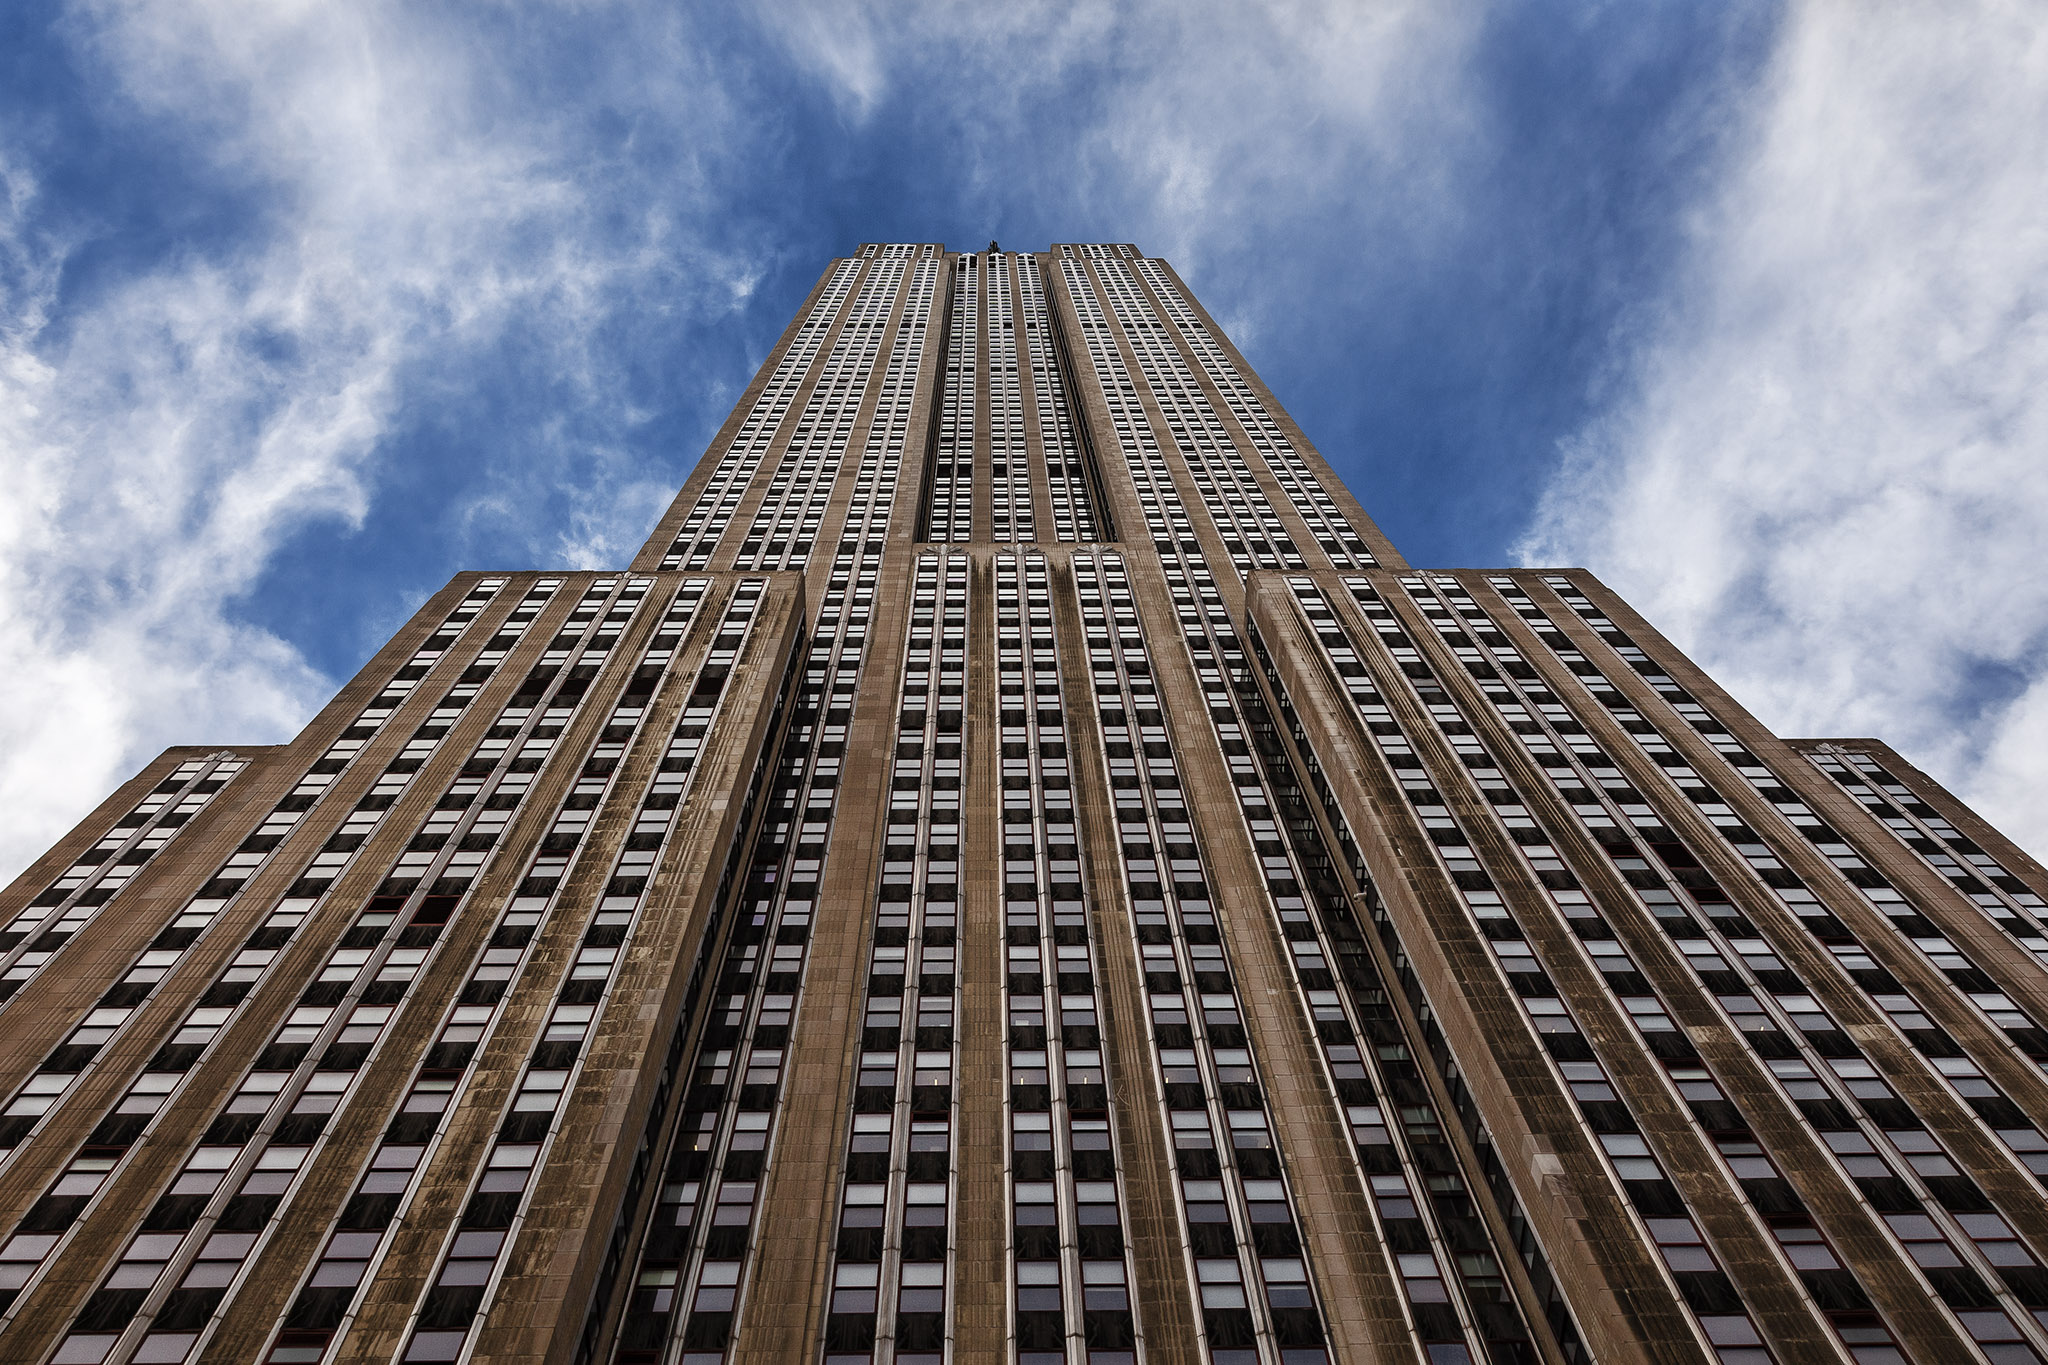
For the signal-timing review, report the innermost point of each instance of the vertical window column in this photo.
(891, 1267)
(690, 1280)
(1009, 461)
(1068, 480)
(500, 1189)
(1251, 530)
(361, 1231)
(1245, 1255)
(1071, 1279)
(1296, 867)
(1665, 1219)
(949, 506)
(1373, 1126)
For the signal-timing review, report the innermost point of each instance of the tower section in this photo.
(1020, 869)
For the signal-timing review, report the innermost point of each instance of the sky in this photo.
(305, 307)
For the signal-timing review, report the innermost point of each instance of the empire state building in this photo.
(1019, 868)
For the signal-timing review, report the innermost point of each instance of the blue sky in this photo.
(305, 307)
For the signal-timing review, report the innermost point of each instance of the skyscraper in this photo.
(1019, 868)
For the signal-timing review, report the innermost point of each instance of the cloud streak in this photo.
(1822, 474)
(168, 429)
(1199, 127)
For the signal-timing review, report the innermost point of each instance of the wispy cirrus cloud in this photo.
(374, 214)
(1197, 127)
(1823, 472)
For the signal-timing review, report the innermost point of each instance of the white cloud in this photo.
(1197, 128)
(1827, 472)
(166, 431)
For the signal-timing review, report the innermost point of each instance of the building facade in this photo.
(1019, 868)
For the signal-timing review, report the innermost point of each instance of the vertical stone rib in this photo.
(981, 1299)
